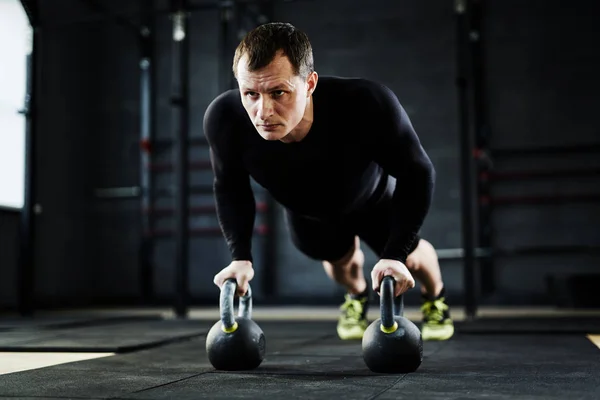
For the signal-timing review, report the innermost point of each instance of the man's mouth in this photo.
(269, 126)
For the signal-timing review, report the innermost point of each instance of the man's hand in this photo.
(241, 271)
(395, 269)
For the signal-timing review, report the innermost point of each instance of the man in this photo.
(344, 162)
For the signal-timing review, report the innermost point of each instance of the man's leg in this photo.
(348, 270)
(424, 265)
(338, 249)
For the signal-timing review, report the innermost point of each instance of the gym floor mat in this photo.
(305, 360)
(524, 325)
(105, 338)
(57, 322)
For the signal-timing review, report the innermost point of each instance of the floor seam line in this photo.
(387, 388)
(170, 383)
(398, 380)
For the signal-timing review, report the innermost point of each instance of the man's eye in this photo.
(278, 93)
(251, 94)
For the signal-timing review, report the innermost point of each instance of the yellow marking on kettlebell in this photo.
(391, 329)
(230, 330)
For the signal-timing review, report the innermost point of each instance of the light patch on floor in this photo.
(16, 362)
(595, 339)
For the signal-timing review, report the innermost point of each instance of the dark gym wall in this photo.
(88, 125)
(87, 249)
(206, 253)
(542, 81)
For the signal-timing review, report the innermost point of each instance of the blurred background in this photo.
(105, 186)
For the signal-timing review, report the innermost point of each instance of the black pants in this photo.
(330, 240)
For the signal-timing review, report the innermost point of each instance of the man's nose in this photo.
(265, 108)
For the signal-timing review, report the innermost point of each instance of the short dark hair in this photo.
(264, 42)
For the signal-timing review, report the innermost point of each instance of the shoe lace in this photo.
(353, 310)
(434, 310)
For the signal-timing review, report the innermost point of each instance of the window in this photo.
(15, 46)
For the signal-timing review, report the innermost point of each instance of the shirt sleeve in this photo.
(235, 202)
(396, 148)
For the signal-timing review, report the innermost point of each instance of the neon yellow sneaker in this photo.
(437, 324)
(353, 321)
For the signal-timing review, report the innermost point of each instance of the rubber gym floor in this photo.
(150, 355)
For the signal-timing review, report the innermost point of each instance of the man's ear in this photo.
(312, 80)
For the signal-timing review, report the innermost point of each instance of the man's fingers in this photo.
(403, 280)
(377, 277)
(375, 280)
(217, 280)
(401, 289)
(241, 273)
(242, 289)
(242, 283)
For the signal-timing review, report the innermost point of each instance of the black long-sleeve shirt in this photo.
(360, 131)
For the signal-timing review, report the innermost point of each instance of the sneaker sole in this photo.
(442, 334)
(351, 334)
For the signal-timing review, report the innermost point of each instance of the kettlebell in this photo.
(235, 344)
(392, 343)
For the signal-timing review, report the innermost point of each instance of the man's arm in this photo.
(235, 201)
(397, 149)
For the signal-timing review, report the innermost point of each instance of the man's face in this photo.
(274, 97)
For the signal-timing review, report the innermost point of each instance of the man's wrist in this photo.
(239, 262)
(393, 260)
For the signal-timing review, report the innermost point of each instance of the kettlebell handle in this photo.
(387, 300)
(226, 304)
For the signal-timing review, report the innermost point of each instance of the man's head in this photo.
(275, 71)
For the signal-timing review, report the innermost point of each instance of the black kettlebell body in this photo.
(400, 351)
(242, 349)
